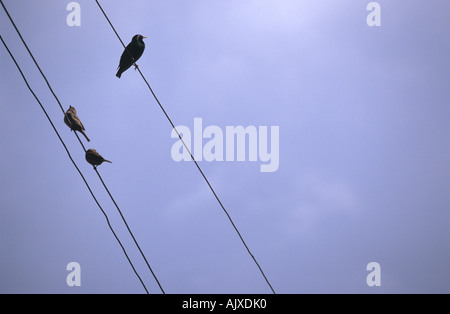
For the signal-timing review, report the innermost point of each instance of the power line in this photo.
(188, 150)
(98, 174)
(129, 230)
(75, 165)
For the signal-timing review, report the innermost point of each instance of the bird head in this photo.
(138, 37)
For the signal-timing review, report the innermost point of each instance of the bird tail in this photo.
(87, 138)
(107, 161)
(119, 73)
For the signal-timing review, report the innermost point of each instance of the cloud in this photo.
(318, 197)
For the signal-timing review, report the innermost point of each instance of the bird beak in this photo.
(144, 37)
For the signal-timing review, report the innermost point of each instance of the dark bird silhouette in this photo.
(95, 158)
(131, 54)
(73, 122)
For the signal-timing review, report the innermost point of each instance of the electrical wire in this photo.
(129, 230)
(188, 150)
(98, 174)
(73, 162)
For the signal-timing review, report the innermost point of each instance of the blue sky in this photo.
(364, 151)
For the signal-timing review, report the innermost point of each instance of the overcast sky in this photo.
(363, 116)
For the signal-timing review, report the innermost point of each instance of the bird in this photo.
(95, 158)
(131, 54)
(73, 122)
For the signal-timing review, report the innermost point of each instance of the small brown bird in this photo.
(73, 122)
(95, 158)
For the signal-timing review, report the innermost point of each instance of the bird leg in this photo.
(135, 64)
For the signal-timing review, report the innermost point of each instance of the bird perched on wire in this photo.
(73, 122)
(131, 54)
(95, 158)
